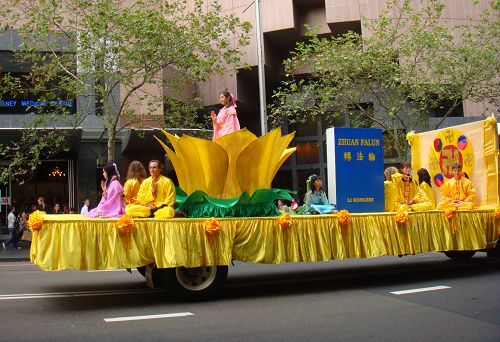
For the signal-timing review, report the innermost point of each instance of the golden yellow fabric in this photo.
(130, 190)
(424, 199)
(461, 190)
(76, 242)
(390, 195)
(405, 190)
(480, 156)
(490, 156)
(165, 195)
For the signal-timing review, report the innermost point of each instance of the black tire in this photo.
(494, 253)
(193, 284)
(460, 255)
(142, 270)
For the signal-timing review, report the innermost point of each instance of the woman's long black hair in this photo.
(424, 176)
(111, 171)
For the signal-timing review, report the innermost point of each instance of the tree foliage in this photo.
(112, 54)
(409, 62)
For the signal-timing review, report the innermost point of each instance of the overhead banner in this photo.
(474, 145)
(355, 169)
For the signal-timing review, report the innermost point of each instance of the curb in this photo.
(14, 259)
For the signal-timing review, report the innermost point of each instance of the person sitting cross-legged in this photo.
(458, 192)
(424, 199)
(156, 195)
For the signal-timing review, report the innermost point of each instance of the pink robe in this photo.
(226, 122)
(111, 204)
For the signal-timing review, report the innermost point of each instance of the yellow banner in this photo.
(474, 145)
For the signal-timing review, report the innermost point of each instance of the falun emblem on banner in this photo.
(449, 147)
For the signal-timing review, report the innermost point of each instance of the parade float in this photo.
(225, 190)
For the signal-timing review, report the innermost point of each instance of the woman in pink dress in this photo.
(111, 204)
(227, 120)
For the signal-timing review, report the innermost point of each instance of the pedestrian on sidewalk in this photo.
(23, 231)
(11, 225)
(85, 208)
(42, 206)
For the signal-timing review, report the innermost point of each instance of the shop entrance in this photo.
(54, 180)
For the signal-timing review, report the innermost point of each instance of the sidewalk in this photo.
(12, 254)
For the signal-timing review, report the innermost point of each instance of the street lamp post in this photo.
(261, 71)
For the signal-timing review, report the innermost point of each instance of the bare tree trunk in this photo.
(111, 144)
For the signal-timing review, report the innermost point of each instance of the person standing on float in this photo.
(226, 121)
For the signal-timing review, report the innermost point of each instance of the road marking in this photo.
(423, 289)
(138, 318)
(73, 294)
(17, 265)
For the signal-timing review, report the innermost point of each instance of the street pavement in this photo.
(424, 297)
(13, 254)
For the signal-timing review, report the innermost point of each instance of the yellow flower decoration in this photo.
(450, 213)
(225, 168)
(410, 136)
(401, 216)
(124, 225)
(343, 217)
(490, 120)
(211, 226)
(285, 221)
(497, 213)
(35, 220)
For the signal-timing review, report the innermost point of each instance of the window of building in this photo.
(283, 180)
(309, 128)
(307, 152)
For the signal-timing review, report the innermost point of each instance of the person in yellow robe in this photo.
(156, 195)
(389, 188)
(135, 175)
(405, 186)
(424, 199)
(457, 192)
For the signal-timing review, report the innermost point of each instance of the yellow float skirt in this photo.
(79, 243)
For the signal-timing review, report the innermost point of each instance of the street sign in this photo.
(5, 200)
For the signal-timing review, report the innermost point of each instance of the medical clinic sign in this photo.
(13, 106)
(355, 169)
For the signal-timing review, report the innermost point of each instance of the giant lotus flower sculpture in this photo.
(229, 166)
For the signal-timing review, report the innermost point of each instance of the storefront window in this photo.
(307, 152)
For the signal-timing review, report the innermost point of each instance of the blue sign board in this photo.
(355, 169)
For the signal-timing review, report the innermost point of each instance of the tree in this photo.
(397, 74)
(108, 54)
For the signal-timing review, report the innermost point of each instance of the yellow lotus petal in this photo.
(179, 166)
(206, 165)
(287, 153)
(256, 165)
(284, 142)
(233, 144)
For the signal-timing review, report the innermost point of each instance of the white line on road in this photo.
(17, 264)
(72, 294)
(138, 318)
(423, 289)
